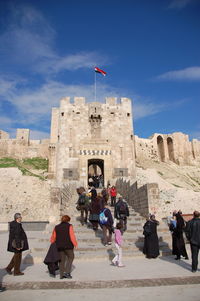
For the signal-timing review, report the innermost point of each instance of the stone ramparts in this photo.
(25, 194)
(144, 200)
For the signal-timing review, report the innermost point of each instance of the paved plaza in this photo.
(140, 279)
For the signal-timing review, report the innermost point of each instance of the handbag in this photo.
(93, 217)
(78, 207)
(14, 245)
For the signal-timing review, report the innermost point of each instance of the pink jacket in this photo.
(118, 237)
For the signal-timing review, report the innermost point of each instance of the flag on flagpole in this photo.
(96, 69)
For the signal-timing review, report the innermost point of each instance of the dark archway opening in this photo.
(161, 151)
(170, 149)
(96, 173)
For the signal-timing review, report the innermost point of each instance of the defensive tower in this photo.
(92, 134)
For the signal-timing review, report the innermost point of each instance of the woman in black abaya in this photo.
(179, 249)
(151, 245)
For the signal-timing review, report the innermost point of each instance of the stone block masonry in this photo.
(144, 200)
(25, 194)
(91, 134)
(87, 139)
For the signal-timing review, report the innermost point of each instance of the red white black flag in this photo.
(96, 69)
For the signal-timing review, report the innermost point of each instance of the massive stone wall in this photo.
(83, 131)
(144, 199)
(25, 194)
(22, 147)
(174, 147)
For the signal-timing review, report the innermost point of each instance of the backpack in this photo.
(102, 218)
(172, 225)
(122, 208)
(82, 200)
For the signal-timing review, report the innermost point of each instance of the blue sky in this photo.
(150, 50)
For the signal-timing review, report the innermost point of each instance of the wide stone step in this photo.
(97, 246)
(44, 243)
(99, 284)
(83, 254)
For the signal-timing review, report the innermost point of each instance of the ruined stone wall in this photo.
(143, 200)
(174, 147)
(196, 149)
(22, 149)
(4, 135)
(145, 149)
(25, 194)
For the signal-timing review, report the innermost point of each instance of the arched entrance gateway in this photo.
(96, 173)
(161, 151)
(170, 149)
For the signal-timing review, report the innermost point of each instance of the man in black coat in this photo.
(121, 212)
(17, 243)
(193, 235)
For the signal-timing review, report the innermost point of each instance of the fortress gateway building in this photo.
(91, 139)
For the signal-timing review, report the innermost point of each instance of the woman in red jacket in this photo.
(64, 237)
(113, 194)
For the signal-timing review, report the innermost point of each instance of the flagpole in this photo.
(95, 87)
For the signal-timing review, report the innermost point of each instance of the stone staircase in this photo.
(90, 247)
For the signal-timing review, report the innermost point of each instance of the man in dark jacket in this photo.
(17, 243)
(193, 235)
(121, 213)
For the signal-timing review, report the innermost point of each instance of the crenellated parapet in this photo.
(22, 147)
(96, 128)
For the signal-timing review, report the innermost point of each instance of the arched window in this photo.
(161, 151)
(170, 147)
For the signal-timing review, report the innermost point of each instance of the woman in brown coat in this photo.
(95, 207)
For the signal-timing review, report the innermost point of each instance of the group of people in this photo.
(96, 181)
(177, 226)
(63, 241)
(92, 202)
(191, 228)
(94, 206)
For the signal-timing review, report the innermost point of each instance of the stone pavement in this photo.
(138, 272)
(161, 293)
(92, 269)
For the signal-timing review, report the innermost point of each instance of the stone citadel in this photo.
(90, 137)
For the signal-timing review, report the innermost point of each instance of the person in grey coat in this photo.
(17, 243)
(193, 235)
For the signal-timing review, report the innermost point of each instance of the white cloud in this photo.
(34, 105)
(187, 74)
(179, 4)
(144, 109)
(5, 122)
(7, 84)
(28, 37)
(30, 42)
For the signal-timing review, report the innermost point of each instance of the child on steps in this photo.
(117, 260)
